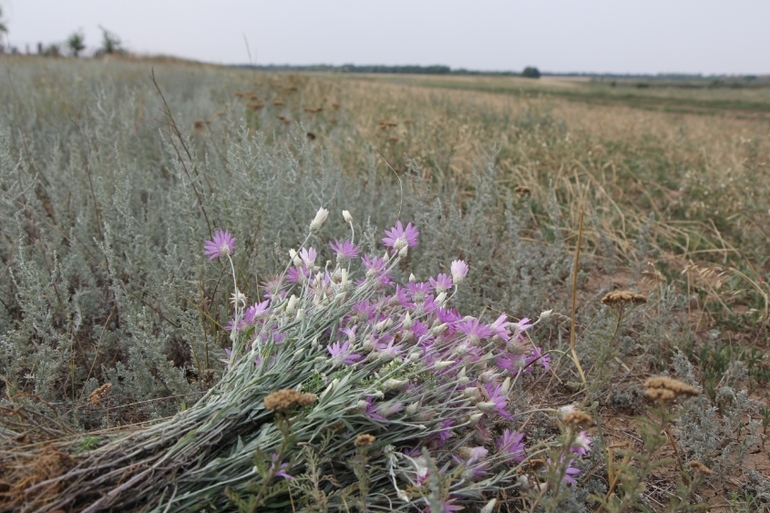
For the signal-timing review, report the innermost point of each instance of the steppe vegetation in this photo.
(131, 381)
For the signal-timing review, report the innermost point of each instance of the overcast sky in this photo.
(617, 36)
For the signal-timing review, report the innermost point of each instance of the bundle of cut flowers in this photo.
(343, 389)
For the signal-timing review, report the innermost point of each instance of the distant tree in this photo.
(3, 28)
(111, 43)
(76, 43)
(530, 72)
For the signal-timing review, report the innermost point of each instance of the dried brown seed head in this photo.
(365, 440)
(697, 466)
(99, 394)
(522, 190)
(278, 103)
(665, 389)
(284, 399)
(577, 419)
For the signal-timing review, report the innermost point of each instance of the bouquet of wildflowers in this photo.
(343, 389)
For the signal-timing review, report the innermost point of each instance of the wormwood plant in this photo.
(330, 356)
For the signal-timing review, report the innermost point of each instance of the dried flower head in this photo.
(577, 419)
(99, 394)
(311, 136)
(665, 390)
(365, 440)
(522, 190)
(697, 466)
(284, 399)
(620, 297)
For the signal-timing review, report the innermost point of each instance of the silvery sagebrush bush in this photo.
(329, 353)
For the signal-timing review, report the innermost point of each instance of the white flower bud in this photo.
(347, 217)
(545, 314)
(362, 405)
(319, 219)
(475, 418)
(443, 364)
(300, 314)
(413, 408)
(472, 393)
(413, 357)
(487, 406)
(394, 384)
(412, 278)
(441, 298)
(506, 386)
(489, 507)
(438, 330)
(407, 323)
(329, 388)
(292, 304)
(403, 251)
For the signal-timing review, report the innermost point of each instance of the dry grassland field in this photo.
(545, 296)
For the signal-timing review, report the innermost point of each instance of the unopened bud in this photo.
(486, 406)
(347, 217)
(438, 330)
(443, 364)
(319, 219)
(545, 314)
(475, 418)
(413, 408)
(292, 304)
(407, 322)
(394, 384)
(506, 386)
(412, 278)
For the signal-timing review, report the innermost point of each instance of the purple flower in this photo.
(538, 356)
(496, 396)
(445, 433)
(376, 266)
(418, 291)
(520, 327)
(459, 270)
(345, 250)
(341, 354)
(254, 312)
(442, 283)
(511, 363)
(571, 471)
(371, 409)
(500, 327)
(222, 245)
(279, 469)
(474, 329)
(308, 256)
(511, 446)
(582, 444)
(399, 237)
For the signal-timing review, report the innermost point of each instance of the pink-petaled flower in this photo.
(459, 270)
(569, 473)
(371, 409)
(341, 354)
(582, 444)
(376, 267)
(498, 397)
(445, 433)
(538, 356)
(345, 250)
(511, 446)
(308, 256)
(222, 245)
(520, 327)
(513, 363)
(399, 237)
(442, 283)
(418, 291)
(500, 327)
(474, 329)
(254, 312)
(280, 469)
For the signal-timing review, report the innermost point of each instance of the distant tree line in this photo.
(529, 72)
(73, 45)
